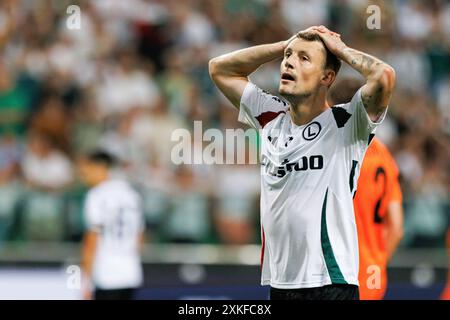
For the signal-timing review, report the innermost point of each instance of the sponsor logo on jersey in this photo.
(314, 162)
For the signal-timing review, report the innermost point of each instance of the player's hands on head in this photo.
(331, 39)
(286, 43)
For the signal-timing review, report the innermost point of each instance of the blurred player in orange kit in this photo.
(379, 219)
(378, 208)
(446, 293)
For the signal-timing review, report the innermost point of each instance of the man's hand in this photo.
(380, 77)
(295, 36)
(331, 39)
(320, 30)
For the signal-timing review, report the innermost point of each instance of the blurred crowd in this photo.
(137, 70)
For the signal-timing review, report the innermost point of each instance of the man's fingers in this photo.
(323, 29)
(309, 29)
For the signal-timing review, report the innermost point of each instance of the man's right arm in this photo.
(230, 71)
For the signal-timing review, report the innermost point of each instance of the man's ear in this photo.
(328, 77)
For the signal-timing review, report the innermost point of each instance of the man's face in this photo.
(90, 173)
(302, 68)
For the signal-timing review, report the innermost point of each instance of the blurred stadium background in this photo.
(137, 70)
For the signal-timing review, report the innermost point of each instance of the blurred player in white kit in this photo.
(111, 257)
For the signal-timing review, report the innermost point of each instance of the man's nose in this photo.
(287, 64)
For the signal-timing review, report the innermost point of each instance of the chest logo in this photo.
(311, 131)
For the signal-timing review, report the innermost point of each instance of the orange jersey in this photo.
(446, 293)
(378, 185)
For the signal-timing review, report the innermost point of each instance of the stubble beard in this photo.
(295, 99)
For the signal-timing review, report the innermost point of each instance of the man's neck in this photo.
(101, 179)
(302, 112)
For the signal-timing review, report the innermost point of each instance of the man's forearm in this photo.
(380, 79)
(392, 242)
(394, 227)
(243, 62)
(230, 71)
(368, 66)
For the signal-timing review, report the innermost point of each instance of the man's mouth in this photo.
(287, 77)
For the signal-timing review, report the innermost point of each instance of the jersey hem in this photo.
(118, 285)
(302, 285)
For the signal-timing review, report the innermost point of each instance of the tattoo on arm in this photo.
(373, 98)
(360, 61)
(376, 93)
(367, 62)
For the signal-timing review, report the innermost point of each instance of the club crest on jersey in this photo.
(311, 131)
(305, 163)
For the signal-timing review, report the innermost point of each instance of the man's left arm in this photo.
(394, 215)
(380, 77)
(393, 227)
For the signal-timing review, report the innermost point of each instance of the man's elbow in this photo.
(387, 78)
(213, 68)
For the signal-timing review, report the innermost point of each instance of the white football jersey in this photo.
(308, 180)
(113, 210)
